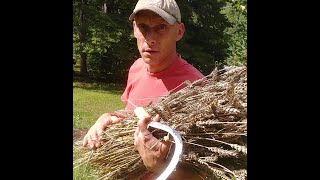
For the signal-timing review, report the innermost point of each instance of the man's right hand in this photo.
(94, 138)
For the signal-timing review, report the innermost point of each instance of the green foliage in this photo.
(109, 47)
(236, 35)
(203, 44)
(215, 35)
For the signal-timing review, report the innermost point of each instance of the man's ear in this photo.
(180, 31)
(134, 25)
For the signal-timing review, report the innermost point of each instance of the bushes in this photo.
(236, 35)
(216, 35)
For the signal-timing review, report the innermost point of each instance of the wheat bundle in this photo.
(211, 116)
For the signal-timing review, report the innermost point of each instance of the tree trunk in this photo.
(83, 39)
(105, 6)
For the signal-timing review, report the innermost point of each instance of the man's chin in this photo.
(147, 60)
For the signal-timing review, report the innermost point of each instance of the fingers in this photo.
(143, 136)
(85, 141)
(143, 123)
(97, 144)
(108, 119)
(100, 134)
(113, 120)
(117, 115)
(93, 139)
(144, 120)
(91, 143)
(99, 138)
(89, 139)
(142, 128)
(153, 151)
(156, 118)
(136, 134)
(95, 136)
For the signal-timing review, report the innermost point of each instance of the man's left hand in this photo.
(152, 151)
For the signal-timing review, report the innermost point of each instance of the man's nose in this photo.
(150, 37)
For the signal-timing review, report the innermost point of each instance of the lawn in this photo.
(90, 100)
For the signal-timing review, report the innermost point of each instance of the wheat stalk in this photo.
(211, 117)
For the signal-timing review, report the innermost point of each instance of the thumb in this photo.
(156, 118)
(143, 123)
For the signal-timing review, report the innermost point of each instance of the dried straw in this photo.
(211, 116)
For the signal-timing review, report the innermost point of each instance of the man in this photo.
(157, 27)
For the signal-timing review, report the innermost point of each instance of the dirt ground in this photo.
(78, 134)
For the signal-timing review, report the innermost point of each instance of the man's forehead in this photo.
(148, 14)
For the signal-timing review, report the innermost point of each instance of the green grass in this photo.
(90, 100)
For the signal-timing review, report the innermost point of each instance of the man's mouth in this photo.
(150, 51)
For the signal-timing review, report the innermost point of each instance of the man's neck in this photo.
(168, 62)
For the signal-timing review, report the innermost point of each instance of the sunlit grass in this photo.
(92, 100)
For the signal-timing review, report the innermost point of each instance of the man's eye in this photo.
(142, 27)
(162, 27)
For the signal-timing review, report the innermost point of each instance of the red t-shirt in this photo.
(144, 87)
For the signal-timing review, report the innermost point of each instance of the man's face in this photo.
(156, 39)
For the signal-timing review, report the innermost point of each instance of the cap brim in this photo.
(167, 17)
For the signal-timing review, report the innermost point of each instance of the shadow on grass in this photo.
(95, 84)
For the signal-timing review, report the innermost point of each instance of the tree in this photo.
(83, 28)
(108, 45)
(236, 35)
(204, 44)
(104, 42)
